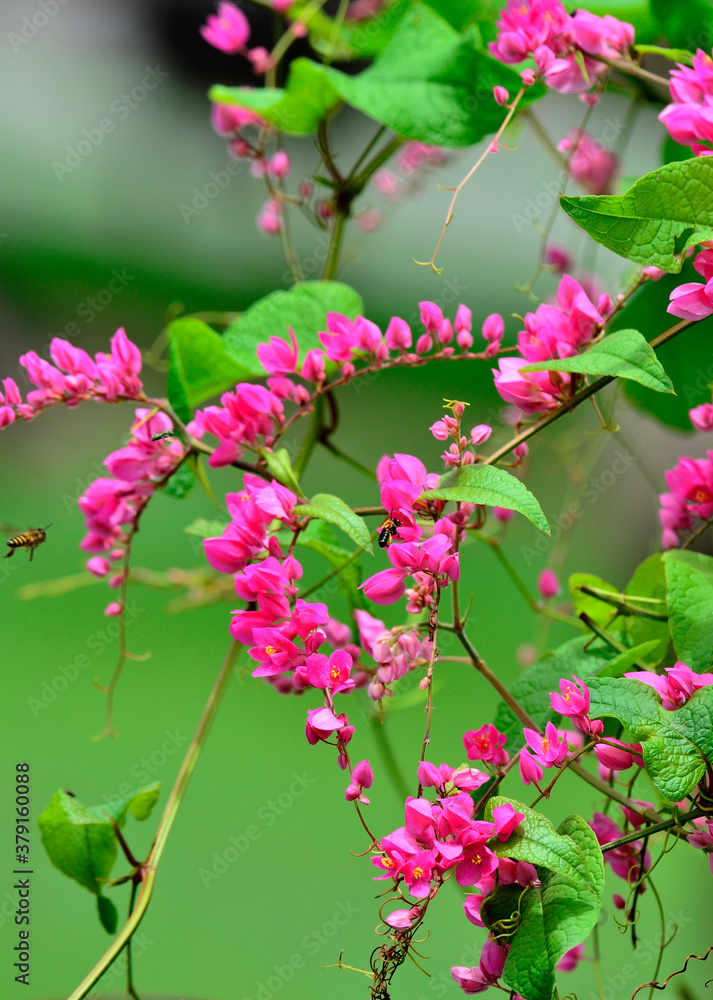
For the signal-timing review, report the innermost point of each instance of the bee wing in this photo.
(9, 529)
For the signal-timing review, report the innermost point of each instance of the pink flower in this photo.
(313, 367)
(692, 301)
(676, 687)
(401, 919)
(478, 860)
(229, 30)
(591, 163)
(269, 220)
(573, 699)
(486, 744)
(277, 357)
(322, 723)
(274, 651)
(98, 566)
(548, 749)
(505, 820)
(470, 980)
(530, 770)
(385, 587)
(617, 757)
(702, 417)
(548, 584)
(703, 836)
(362, 777)
(688, 118)
(330, 672)
(398, 335)
(501, 95)
(527, 390)
(571, 959)
(480, 434)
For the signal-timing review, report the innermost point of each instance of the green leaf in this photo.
(558, 914)
(683, 24)
(431, 84)
(648, 581)
(599, 611)
(202, 528)
(532, 687)
(689, 577)
(108, 916)
(319, 537)
(624, 354)
(78, 842)
(677, 746)
(308, 96)
(279, 466)
(657, 219)
(304, 308)
(625, 661)
(141, 804)
(333, 509)
(368, 37)
(686, 358)
(675, 55)
(486, 484)
(199, 365)
(180, 484)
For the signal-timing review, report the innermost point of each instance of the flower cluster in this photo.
(689, 118)
(112, 506)
(691, 489)
(396, 651)
(552, 331)
(282, 632)
(252, 416)
(431, 563)
(74, 377)
(565, 47)
(676, 686)
(591, 164)
(444, 835)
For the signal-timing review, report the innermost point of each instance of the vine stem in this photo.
(457, 190)
(149, 868)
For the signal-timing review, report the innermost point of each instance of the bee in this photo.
(388, 530)
(29, 539)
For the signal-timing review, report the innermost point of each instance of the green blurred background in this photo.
(282, 885)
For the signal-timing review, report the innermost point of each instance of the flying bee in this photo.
(29, 539)
(388, 530)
